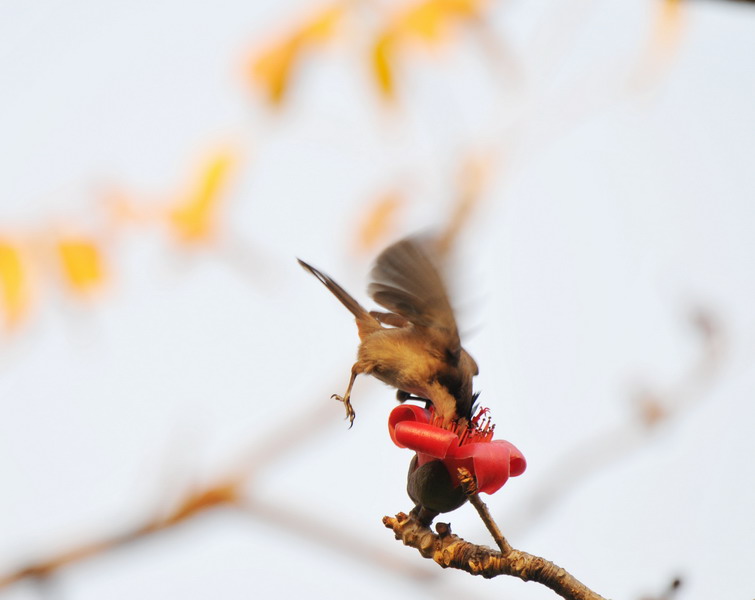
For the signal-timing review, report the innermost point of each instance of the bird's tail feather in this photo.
(364, 319)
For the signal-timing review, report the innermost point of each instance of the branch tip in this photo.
(443, 529)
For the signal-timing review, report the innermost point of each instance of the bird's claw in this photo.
(350, 414)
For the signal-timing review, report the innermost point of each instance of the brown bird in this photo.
(415, 347)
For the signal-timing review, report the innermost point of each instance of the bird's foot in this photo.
(424, 515)
(350, 414)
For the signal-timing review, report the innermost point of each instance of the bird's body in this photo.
(415, 347)
(415, 362)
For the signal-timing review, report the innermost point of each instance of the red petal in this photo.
(406, 412)
(424, 438)
(517, 464)
(491, 463)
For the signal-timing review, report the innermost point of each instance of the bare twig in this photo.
(652, 409)
(470, 489)
(449, 550)
(224, 493)
(332, 536)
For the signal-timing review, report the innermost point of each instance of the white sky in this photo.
(610, 214)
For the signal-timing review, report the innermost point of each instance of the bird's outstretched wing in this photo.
(406, 281)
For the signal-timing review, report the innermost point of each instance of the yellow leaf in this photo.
(431, 21)
(13, 286)
(323, 26)
(81, 263)
(193, 219)
(272, 69)
(425, 21)
(382, 63)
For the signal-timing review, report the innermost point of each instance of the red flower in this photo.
(491, 462)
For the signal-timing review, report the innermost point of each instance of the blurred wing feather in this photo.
(406, 281)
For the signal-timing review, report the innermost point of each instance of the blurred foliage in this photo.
(273, 68)
(13, 279)
(193, 216)
(81, 262)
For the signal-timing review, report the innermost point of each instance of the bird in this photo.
(415, 346)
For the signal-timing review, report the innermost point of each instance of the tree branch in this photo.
(470, 489)
(449, 550)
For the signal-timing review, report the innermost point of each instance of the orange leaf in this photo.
(223, 493)
(670, 21)
(379, 221)
(474, 176)
(193, 219)
(81, 263)
(13, 287)
(272, 69)
(662, 44)
(122, 210)
(466, 8)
